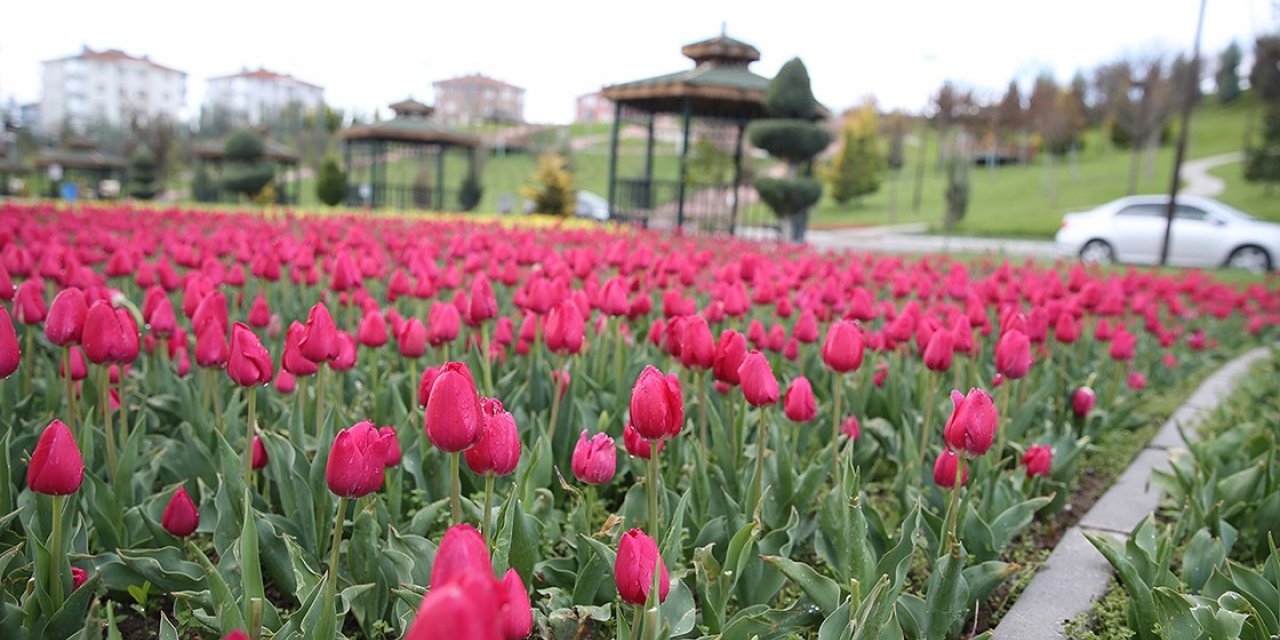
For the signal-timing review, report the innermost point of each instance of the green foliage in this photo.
(471, 191)
(1265, 76)
(1228, 77)
(246, 171)
(1105, 621)
(554, 193)
(330, 183)
(142, 175)
(795, 141)
(857, 168)
(789, 196)
(708, 163)
(1262, 159)
(203, 186)
(957, 191)
(789, 94)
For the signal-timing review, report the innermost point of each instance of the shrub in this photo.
(331, 183)
(555, 194)
(246, 170)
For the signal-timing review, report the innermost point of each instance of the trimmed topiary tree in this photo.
(142, 174)
(330, 183)
(554, 194)
(246, 170)
(471, 191)
(792, 135)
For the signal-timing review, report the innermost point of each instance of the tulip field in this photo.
(292, 426)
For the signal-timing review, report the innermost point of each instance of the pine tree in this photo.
(554, 194)
(330, 183)
(247, 170)
(471, 191)
(1228, 79)
(142, 175)
(856, 170)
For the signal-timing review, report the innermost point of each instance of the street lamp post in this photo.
(1192, 90)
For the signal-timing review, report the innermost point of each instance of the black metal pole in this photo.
(737, 179)
(648, 165)
(440, 178)
(686, 110)
(346, 172)
(1192, 90)
(613, 157)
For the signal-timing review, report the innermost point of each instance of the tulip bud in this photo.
(80, 576)
(10, 352)
(180, 517)
(843, 349)
(633, 569)
(248, 364)
(851, 428)
(758, 384)
(319, 340)
(698, 348)
(28, 302)
(462, 552)
(730, 350)
(372, 331)
(357, 460)
(636, 444)
(56, 468)
(65, 321)
(453, 415)
(260, 458)
(291, 358)
(285, 382)
(394, 454)
(940, 351)
(657, 406)
(806, 329)
(1124, 345)
(594, 460)
(443, 323)
(799, 404)
(1013, 355)
(1038, 460)
(346, 358)
(1136, 381)
(944, 470)
(259, 312)
(211, 347)
(467, 607)
(972, 425)
(412, 338)
(1066, 330)
(483, 304)
(1082, 402)
(497, 452)
(565, 327)
(516, 613)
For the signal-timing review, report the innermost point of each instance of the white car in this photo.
(592, 206)
(1206, 233)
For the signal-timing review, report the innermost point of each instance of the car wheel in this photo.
(1097, 252)
(1250, 258)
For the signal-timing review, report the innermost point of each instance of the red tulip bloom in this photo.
(466, 608)
(28, 302)
(944, 470)
(1038, 460)
(1013, 355)
(259, 456)
(56, 468)
(65, 320)
(180, 517)
(462, 552)
(799, 404)
(516, 613)
(657, 406)
(633, 569)
(843, 349)
(372, 331)
(443, 323)
(291, 359)
(940, 351)
(851, 427)
(595, 460)
(483, 304)
(80, 576)
(730, 351)
(806, 329)
(10, 352)
(758, 384)
(698, 348)
(259, 312)
(497, 452)
(357, 460)
(346, 358)
(565, 327)
(1082, 401)
(412, 338)
(972, 425)
(319, 341)
(105, 334)
(453, 417)
(636, 444)
(248, 364)
(1124, 345)
(211, 347)
(1136, 381)
(613, 298)
(1067, 329)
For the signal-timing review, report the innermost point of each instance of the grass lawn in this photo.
(1030, 200)
(1250, 197)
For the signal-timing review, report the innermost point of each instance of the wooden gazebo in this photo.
(723, 95)
(79, 159)
(212, 153)
(404, 145)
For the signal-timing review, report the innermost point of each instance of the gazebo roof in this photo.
(719, 85)
(79, 158)
(273, 150)
(412, 125)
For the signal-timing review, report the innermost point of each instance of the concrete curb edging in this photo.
(1076, 574)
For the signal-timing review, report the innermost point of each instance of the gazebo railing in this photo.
(405, 197)
(709, 208)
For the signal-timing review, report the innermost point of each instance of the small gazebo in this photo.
(78, 159)
(722, 95)
(387, 163)
(212, 153)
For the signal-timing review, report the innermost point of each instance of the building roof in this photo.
(216, 149)
(115, 55)
(730, 91)
(79, 159)
(265, 74)
(721, 48)
(411, 125)
(411, 108)
(476, 79)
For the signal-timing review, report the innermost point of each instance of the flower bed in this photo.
(312, 427)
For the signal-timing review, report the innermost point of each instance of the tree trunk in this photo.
(893, 195)
(1136, 154)
(920, 161)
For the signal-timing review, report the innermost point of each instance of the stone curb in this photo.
(1076, 574)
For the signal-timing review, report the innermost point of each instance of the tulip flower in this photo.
(851, 427)
(260, 458)
(1136, 381)
(595, 459)
(516, 613)
(56, 469)
(731, 348)
(372, 331)
(1082, 402)
(1038, 460)
(497, 452)
(248, 363)
(843, 349)
(443, 324)
(467, 607)
(1124, 345)
(972, 426)
(79, 577)
(411, 339)
(638, 445)
(806, 329)
(453, 417)
(10, 352)
(462, 552)
(483, 304)
(940, 350)
(657, 406)
(319, 341)
(291, 358)
(65, 321)
(756, 377)
(346, 358)
(698, 348)
(1013, 355)
(28, 302)
(633, 569)
(565, 328)
(799, 404)
(356, 461)
(1067, 330)
(102, 333)
(180, 517)
(944, 470)
(259, 312)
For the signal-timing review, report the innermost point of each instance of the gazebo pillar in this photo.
(613, 156)
(648, 164)
(346, 172)
(737, 178)
(686, 109)
(440, 177)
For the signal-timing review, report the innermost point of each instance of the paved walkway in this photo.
(909, 238)
(1195, 173)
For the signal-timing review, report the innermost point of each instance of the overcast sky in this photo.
(367, 54)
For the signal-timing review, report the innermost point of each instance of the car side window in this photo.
(1140, 211)
(1185, 212)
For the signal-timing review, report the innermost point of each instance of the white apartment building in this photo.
(251, 95)
(108, 86)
